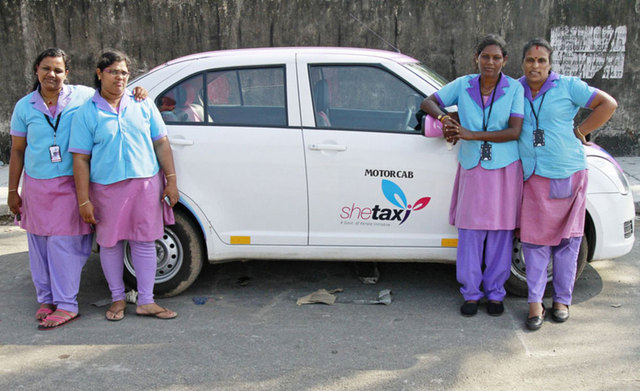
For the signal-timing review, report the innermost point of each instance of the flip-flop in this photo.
(118, 315)
(60, 320)
(43, 311)
(157, 314)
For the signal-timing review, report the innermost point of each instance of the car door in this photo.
(373, 180)
(234, 129)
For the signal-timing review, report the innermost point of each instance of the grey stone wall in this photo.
(440, 33)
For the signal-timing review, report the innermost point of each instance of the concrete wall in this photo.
(440, 33)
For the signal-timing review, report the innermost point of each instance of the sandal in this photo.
(116, 311)
(57, 320)
(164, 314)
(43, 312)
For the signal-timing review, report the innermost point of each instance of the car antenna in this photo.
(374, 33)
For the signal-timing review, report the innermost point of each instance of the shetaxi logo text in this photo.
(394, 194)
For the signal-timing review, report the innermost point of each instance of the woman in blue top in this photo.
(488, 184)
(59, 241)
(555, 173)
(119, 146)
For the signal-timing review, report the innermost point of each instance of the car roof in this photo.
(279, 51)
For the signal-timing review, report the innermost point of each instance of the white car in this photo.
(312, 154)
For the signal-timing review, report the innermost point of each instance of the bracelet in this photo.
(168, 175)
(442, 118)
(84, 203)
(16, 189)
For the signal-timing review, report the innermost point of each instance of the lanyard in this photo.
(539, 109)
(55, 128)
(485, 126)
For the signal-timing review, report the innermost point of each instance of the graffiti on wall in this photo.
(584, 51)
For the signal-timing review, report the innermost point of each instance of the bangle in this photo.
(16, 189)
(168, 175)
(84, 203)
(442, 118)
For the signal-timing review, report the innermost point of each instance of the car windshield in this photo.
(426, 73)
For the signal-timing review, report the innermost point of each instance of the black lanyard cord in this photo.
(55, 128)
(536, 116)
(485, 126)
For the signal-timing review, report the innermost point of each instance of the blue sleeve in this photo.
(580, 92)
(82, 128)
(448, 95)
(517, 107)
(158, 128)
(18, 122)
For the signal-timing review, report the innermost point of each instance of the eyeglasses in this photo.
(115, 72)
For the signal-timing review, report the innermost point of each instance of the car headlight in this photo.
(611, 171)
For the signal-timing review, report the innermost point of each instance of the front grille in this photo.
(628, 228)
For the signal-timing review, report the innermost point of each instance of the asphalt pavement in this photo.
(239, 329)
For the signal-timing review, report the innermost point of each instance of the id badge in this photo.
(538, 138)
(485, 151)
(54, 153)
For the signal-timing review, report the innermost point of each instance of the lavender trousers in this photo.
(495, 248)
(565, 264)
(56, 265)
(143, 257)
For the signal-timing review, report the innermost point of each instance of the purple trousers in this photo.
(143, 257)
(492, 247)
(565, 264)
(56, 265)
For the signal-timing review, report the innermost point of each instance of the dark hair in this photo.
(108, 58)
(537, 42)
(51, 52)
(492, 39)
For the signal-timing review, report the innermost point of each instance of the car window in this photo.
(249, 97)
(253, 97)
(184, 102)
(363, 97)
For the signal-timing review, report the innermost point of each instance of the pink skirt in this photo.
(50, 207)
(487, 199)
(130, 210)
(547, 218)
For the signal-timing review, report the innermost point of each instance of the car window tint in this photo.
(184, 102)
(254, 96)
(363, 97)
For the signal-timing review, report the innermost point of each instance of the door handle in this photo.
(327, 147)
(180, 141)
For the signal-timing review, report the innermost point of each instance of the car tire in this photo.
(517, 282)
(180, 255)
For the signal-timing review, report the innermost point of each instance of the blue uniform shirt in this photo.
(120, 143)
(508, 102)
(563, 154)
(28, 120)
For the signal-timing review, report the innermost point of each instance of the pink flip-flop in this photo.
(43, 311)
(59, 320)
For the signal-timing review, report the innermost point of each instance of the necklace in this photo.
(49, 101)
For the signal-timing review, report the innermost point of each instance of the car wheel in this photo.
(180, 254)
(517, 282)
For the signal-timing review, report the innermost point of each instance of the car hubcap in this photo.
(518, 267)
(168, 255)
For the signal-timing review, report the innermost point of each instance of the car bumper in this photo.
(614, 224)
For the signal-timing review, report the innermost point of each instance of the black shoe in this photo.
(560, 315)
(495, 309)
(469, 308)
(535, 322)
